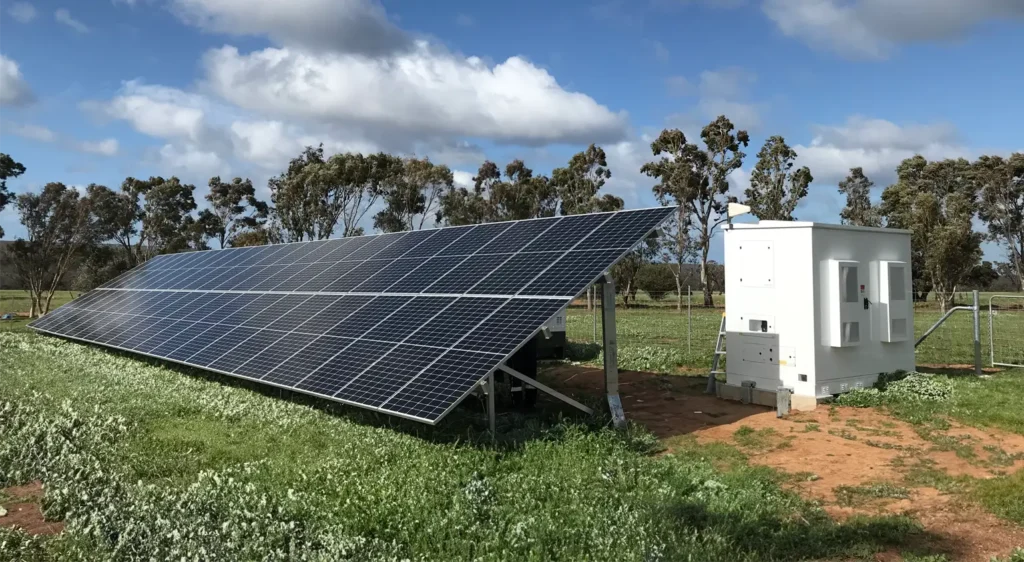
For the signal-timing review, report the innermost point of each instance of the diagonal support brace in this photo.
(545, 388)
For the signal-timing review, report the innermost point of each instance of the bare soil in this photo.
(833, 447)
(24, 510)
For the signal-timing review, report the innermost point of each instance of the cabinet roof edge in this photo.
(763, 225)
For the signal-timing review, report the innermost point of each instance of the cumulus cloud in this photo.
(425, 92)
(342, 73)
(192, 160)
(157, 110)
(13, 88)
(64, 16)
(872, 29)
(349, 26)
(269, 143)
(22, 12)
(877, 145)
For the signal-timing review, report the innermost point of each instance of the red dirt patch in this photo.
(839, 447)
(24, 510)
(667, 405)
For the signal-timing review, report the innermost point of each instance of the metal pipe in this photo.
(491, 415)
(689, 322)
(991, 337)
(611, 364)
(939, 323)
(977, 333)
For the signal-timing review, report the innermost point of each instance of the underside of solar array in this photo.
(405, 323)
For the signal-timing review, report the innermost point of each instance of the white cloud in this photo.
(13, 88)
(270, 143)
(876, 145)
(463, 178)
(872, 29)
(22, 12)
(624, 160)
(158, 111)
(193, 160)
(350, 26)
(35, 132)
(425, 93)
(105, 147)
(64, 16)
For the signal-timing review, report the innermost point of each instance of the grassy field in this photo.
(145, 460)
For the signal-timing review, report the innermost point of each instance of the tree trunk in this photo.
(679, 294)
(49, 300)
(709, 299)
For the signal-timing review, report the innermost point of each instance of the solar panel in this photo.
(405, 323)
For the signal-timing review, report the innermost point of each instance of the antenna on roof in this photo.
(735, 210)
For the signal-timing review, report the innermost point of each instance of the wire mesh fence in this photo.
(1005, 328)
(657, 335)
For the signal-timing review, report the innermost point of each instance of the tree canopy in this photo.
(697, 179)
(937, 201)
(858, 210)
(775, 187)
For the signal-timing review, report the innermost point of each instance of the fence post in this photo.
(977, 332)
(689, 323)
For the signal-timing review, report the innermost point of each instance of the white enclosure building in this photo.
(819, 309)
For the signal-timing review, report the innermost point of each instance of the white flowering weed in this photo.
(143, 462)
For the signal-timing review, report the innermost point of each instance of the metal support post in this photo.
(689, 322)
(977, 333)
(593, 311)
(611, 364)
(491, 415)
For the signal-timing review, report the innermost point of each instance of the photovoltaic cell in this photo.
(466, 274)
(308, 359)
(390, 373)
(341, 369)
(341, 319)
(440, 385)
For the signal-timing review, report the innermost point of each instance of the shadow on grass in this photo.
(956, 370)
(467, 423)
(813, 535)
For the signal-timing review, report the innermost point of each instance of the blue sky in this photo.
(92, 92)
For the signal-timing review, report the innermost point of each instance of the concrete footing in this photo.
(764, 397)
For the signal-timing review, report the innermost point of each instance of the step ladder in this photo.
(719, 353)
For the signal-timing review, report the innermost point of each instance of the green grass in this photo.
(146, 461)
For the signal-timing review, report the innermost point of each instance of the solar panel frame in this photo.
(354, 250)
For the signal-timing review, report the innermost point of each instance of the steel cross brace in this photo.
(545, 388)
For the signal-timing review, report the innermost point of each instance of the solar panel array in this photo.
(405, 323)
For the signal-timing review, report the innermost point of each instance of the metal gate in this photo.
(1006, 330)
